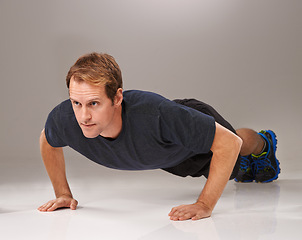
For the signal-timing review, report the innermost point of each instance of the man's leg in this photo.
(253, 143)
(259, 160)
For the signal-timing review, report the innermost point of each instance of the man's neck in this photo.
(116, 125)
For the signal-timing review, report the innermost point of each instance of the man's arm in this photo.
(226, 147)
(55, 165)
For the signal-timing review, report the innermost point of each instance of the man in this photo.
(137, 130)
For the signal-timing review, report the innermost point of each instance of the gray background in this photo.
(242, 57)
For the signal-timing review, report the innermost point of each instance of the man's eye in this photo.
(76, 103)
(94, 103)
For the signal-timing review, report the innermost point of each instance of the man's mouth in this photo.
(87, 125)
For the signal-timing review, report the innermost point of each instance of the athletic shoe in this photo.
(266, 164)
(245, 173)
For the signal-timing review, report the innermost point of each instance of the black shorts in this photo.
(199, 165)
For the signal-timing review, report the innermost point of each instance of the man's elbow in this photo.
(237, 143)
(43, 141)
(42, 137)
(226, 141)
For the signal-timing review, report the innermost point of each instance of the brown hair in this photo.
(97, 69)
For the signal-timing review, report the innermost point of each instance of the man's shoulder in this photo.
(62, 111)
(64, 106)
(142, 101)
(142, 95)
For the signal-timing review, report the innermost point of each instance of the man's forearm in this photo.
(54, 162)
(55, 165)
(225, 154)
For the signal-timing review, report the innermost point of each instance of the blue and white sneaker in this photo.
(266, 165)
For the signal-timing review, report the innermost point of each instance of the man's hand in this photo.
(60, 202)
(194, 211)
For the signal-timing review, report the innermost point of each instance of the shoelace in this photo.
(262, 162)
(245, 162)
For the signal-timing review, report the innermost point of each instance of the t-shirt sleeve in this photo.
(188, 127)
(54, 129)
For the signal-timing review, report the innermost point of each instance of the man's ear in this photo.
(118, 97)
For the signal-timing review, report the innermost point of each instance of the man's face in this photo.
(94, 111)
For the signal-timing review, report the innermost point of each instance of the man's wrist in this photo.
(69, 195)
(204, 205)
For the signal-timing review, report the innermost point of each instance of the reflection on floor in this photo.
(134, 205)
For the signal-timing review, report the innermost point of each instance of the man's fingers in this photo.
(185, 216)
(172, 211)
(46, 206)
(175, 209)
(178, 213)
(59, 203)
(181, 215)
(43, 206)
(191, 211)
(53, 207)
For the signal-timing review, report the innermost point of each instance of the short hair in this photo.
(97, 69)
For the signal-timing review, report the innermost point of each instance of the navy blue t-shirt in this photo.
(156, 133)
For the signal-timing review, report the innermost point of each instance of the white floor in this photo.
(134, 205)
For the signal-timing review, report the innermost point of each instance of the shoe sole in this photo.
(246, 181)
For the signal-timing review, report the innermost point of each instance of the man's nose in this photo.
(86, 115)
